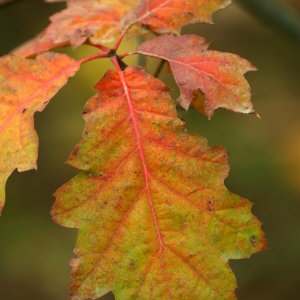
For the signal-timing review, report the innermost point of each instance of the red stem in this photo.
(121, 56)
(140, 149)
(101, 47)
(118, 42)
(95, 56)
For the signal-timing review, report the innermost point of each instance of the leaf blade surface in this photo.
(151, 206)
(169, 16)
(26, 86)
(219, 76)
(97, 21)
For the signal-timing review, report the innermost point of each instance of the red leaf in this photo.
(154, 217)
(98, 21)
(219, 76)
(169, 16)
(26, 86)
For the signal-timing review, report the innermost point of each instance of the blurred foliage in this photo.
(276, 14)
(264, 155)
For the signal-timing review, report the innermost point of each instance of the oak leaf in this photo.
(26, 86)
(169, 16)
(95, 20)
(154, 217)
(217, 75)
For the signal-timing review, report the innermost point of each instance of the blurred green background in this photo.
(264, 155)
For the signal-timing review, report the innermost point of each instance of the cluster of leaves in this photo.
(155, 220)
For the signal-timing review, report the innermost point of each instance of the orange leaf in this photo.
(96, 20)
(219, 76)
(37, 45)
(26, 86)
(169, 16)
(154, 217)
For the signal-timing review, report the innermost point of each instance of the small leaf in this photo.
(219, 76)
(154, 217)
(169, 16)
(26, 86)
(98, 21)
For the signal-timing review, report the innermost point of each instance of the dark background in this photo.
(264, 155)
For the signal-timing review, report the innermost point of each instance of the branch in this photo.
(159, 68)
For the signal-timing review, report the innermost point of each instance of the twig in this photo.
(159, 68)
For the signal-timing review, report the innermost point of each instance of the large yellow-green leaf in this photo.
(26, 86)
(154, 217)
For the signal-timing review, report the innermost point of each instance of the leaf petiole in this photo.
(95, 56)
(99, 46)
(118, 42)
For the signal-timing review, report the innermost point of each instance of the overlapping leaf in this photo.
(155, 219)
(26, 86)
(169, 16)
(96, 20)
(219, 76)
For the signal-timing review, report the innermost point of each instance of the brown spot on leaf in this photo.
(253, 240)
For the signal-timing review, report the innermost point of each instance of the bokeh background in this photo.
(264, 155)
